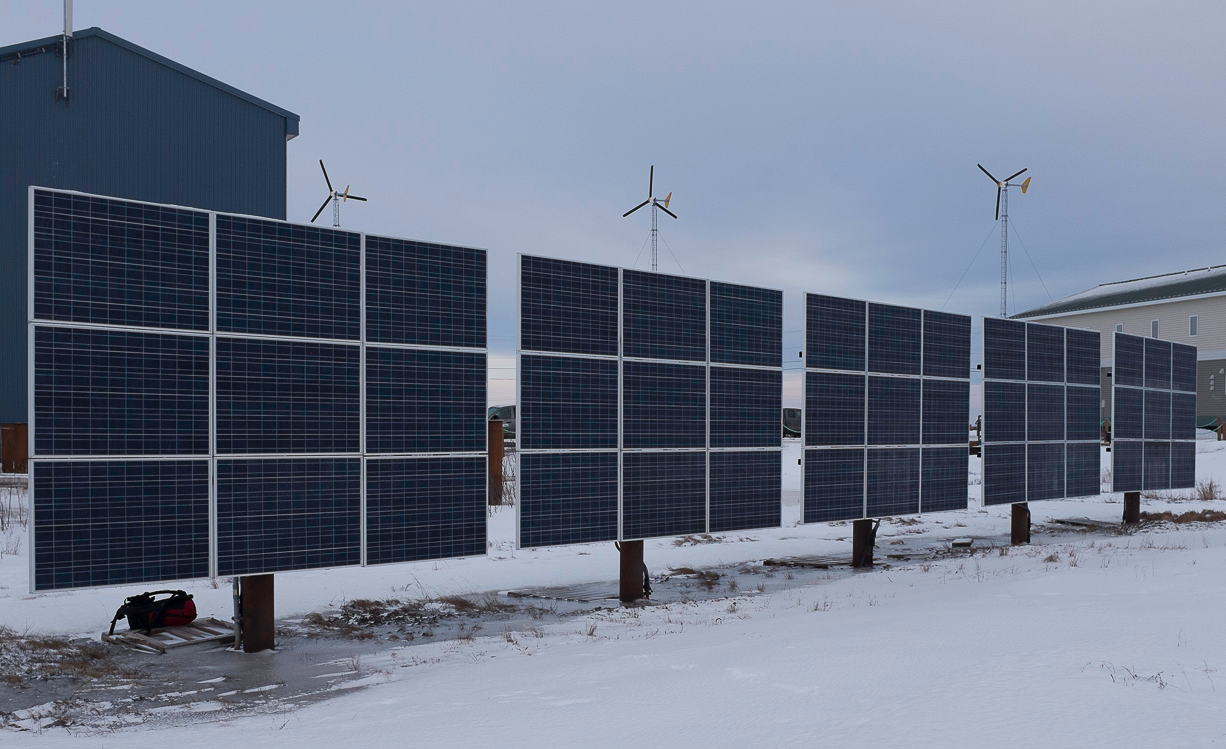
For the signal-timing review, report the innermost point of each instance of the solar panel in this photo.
(746, 490)
(663, 317)
(425, 508)
(424, 401)
(281, 514)
(1154, 414)
(663, 405)
(424, 293)
(115, 262)
(664, 494)
(1041, 413)
(745, 407)
(280, 396)
(273, 412)
(567, 498)
(115, 522)
(111, 392)
(275, 278)
(694, 386)
(568, 307)
(746, 325)
(918, 393)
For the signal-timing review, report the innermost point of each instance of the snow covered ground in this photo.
(1080, 639)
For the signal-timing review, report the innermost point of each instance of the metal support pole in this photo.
(654, 235)
(1020, 530)
(863, 538)
(236, 593)
(1004, 251)
(630, 588)
(495, 462)
(1132, 508)
(259, 623)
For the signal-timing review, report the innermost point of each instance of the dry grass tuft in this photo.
(1192, 516)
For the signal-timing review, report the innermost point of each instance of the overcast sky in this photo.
(823, 147)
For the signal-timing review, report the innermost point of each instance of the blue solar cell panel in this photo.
(834, 485)
(1183, 367)
(1157, 415)
(834, 333)
(1157, 466)
(287, 397)
(893, 339)
(1157, 364)
(275, 278)
(1127, 462)
(944, 479)
(663, 405)
(1004, 412)
(1044, 353)
(663, 494)
(425, 508)
(114, 262)
(893, 411)
(567, 403)
(946, 412)
(567, 498)
(422, 401)
(746, 490)
(100, 392)
(1004, 474)
(1004, 349)
(288, 514)
(119, 522)
(834, 408)
(1183, 465)
(745, 407)
(1082, 409)
(1044, 412)
(894, 481)
(1082, 357)
(663, 317)
(746, 325)
(424, 294)
(1129, 407)
(1129, 362)
(1082, 470)
(947, 345)
(1044, 471)
(1183, 416)
(568, 307)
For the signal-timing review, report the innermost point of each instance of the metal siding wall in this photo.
(133, 128)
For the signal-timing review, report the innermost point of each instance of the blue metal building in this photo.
(133, 125)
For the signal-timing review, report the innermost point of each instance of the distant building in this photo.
(1187, 307)
(133, 125)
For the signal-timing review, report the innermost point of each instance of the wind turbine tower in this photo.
(1002, 215)
(663, 206)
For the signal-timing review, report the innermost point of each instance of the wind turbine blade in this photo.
(640, 205)
(985, 171)
(1012, 176)
(667, 198)
(321, 166)
(651, 179)
(321, 208)
(662, 208)
(355, 197)
(998, 202)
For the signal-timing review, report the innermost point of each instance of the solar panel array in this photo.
(648, 404)
(1153, 423)
(887, 408)
(1041, 404)
(228, 395)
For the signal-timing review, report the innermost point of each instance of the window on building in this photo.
(1193, 325)
(1153, 329)
(1119, 327)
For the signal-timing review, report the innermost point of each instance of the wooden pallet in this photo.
(585, 593)
(200, 632)
(810, 562)
(1088, 523)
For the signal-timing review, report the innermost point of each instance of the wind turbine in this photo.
(663, 206)
(1002, 201)
(335, 197)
